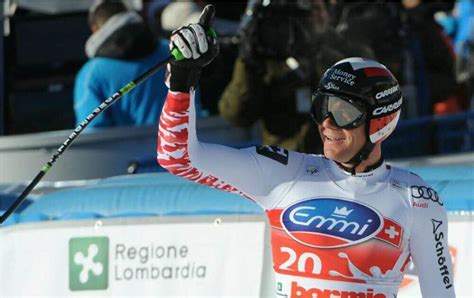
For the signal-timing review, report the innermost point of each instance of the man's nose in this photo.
(328, 123)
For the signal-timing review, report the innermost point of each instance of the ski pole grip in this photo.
(177, 54)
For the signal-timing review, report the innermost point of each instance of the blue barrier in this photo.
(6, 200)
(454, 184)
(160, 194)
(431, 135)
(139, 195)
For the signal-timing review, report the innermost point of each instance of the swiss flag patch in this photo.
(391, 232)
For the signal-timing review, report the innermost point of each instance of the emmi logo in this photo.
(343, 212)
(330, 223)
(327, 222)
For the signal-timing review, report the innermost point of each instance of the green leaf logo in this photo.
(88, 263)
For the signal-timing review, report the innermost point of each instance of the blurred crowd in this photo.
(273, 52)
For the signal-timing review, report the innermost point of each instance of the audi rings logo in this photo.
(427, 193)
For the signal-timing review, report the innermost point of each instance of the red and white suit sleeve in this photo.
(429, 243)
(224, 168)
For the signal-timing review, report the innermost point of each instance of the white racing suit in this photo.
(333, 234)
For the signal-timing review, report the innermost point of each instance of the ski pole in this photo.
(102, 107)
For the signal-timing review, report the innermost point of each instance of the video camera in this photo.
(274, 29)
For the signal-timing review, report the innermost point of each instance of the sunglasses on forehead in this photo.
(344, 113)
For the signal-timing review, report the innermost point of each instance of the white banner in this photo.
(167, 257)
(192, 256)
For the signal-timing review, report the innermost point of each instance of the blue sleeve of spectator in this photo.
(87, 97)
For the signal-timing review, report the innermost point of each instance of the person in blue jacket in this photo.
(464, 46)
(120, 49)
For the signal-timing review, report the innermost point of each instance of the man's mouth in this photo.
(334, 139)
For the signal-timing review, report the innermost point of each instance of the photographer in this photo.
(284, 47)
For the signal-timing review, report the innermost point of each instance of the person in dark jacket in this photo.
(120, 49)
(271, 81)
(412, 46)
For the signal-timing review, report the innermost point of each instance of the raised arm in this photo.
(179, 150)
(213, 165)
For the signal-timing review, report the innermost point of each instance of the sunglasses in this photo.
(344, 113)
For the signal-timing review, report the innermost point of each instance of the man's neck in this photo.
(374, 160)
